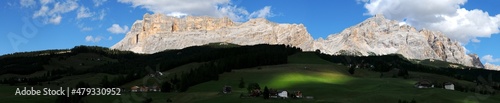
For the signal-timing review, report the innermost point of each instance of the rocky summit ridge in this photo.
(374, 36)
(158, 32)
(380, 36)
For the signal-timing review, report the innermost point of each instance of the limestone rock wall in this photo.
(380, 36)
(375, 35)
(158, 32)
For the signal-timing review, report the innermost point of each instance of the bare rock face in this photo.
(158, 32)
(491, 66)
(374, 36)
(476, 61)
(380, 36)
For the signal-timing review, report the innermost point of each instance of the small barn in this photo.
(449, 86)
(283, 94)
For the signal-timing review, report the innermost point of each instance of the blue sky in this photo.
(29, 25)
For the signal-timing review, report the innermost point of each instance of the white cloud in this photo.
(177, 14)
(64, 7)
(83, 12)
(98, 2)
(110, 38)
(56, 19)
(117, 29)
(93, 39)
(490, 59)
(42, 12)
(102, 13)
(475, 40)
(53, 15)
(44, 2)
(446, 16)
(27, 3)
(234, 13)
(214, 8)
(262, 13)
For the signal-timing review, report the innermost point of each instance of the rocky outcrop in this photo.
(491, 66)
(158, 32)
(379, 36)
(476, 61)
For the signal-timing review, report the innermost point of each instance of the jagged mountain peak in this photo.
(157, 32)
(379, 36)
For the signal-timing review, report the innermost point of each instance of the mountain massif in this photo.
(374, 36)
(158, 32)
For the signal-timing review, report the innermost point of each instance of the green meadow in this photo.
(326, 82)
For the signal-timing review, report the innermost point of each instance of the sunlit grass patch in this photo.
(290, 79)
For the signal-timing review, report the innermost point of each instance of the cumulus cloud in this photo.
(262, 13)
(490, 59)
(27, 3)
(55, 19)
(52, 14)
(214, 8)
(93, 39)
(83, 12)
(98, 2)
(446, 16)
(117, 29)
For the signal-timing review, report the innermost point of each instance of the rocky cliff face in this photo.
(158, 32)
(374, 36)
(379, 36)
(491, 66)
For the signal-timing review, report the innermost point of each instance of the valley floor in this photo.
(305, 72)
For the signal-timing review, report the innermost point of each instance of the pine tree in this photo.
(266, 93)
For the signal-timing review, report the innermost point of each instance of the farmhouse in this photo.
(424, 84)
(449, 86)
(283, 94)
(134, 88)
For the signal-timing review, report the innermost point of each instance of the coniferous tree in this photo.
(351, 70)
(266, 93)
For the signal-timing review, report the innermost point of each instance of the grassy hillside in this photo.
(326, 82)
(327, 79)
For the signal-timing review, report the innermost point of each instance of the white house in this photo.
(283, 94)
(449, 86)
